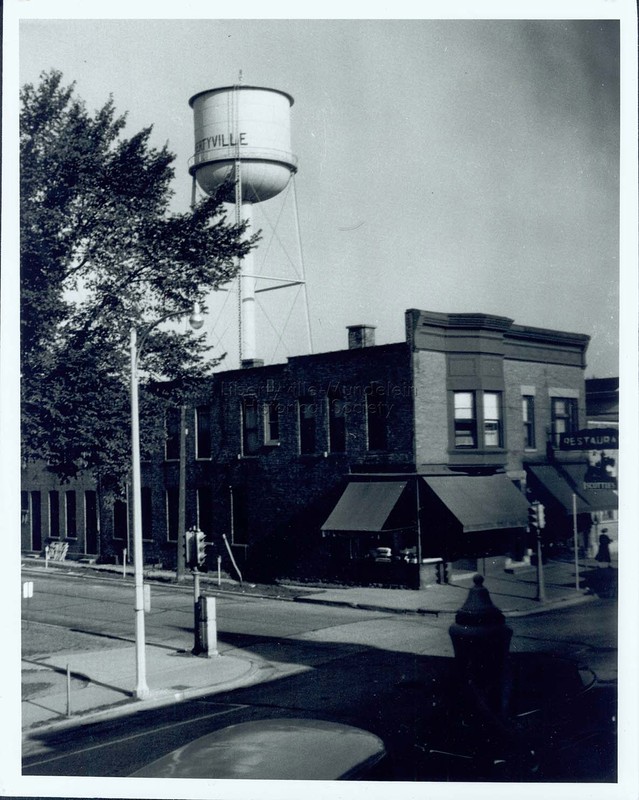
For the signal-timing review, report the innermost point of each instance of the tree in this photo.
(100, 252)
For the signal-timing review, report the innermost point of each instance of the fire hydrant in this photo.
(481, 640)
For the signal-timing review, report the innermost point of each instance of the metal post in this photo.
(575, 539)
(141, 688)
(181, 497)
(196, 585)
(197, 615)
(541, 586)
(68, 691)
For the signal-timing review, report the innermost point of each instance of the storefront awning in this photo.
(365, 506)
(481, 502)
(565, 480)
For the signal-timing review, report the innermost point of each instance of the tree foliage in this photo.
(101, 252)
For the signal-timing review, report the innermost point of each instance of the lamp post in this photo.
(196, 321)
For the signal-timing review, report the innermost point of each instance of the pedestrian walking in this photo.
(603, 554)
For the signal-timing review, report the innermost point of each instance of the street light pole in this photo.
(196, 321)
(141, 688)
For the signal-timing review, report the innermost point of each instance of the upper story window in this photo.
(271, 422)
(465, 418)
(336, 423)
(172, 499)
(528, 415)
(203, 432)
(376, 418)
(472, 408)
(172, 434)
(564, 416)
(492, 420)
(250, 429)
(307, 411)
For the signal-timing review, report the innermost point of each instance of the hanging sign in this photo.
(590, 439)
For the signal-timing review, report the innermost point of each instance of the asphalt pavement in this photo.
(103, 680)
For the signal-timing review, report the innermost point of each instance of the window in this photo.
(492, 419)
(91, 521)
(120, 520)
(36, 521)
(250, 432)
(336, 423)
(172, 514)
(465, 419)
(172, 433)
(376, 416)
(272, 422)
(205, 510)
(528, 414)
(564, 414)
(203, 432)
(239, 515)
(308, 427)
(54, 515)
(147, 513)
(71, 531)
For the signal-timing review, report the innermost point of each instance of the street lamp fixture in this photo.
(196, 321)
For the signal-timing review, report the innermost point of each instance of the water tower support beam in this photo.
(247, 293)
(303, 274)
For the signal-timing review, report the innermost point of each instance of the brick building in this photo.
(356, 464)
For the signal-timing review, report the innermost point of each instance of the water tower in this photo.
(243, 140)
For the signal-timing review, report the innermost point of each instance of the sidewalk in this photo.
(513, 593)
(103, 680)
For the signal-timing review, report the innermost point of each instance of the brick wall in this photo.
(431, 414)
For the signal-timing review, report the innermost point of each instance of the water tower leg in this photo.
(247, 280)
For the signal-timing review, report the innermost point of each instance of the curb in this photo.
(164, 697)
(548, 605)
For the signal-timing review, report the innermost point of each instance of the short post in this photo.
(219, 571)
(124, 563)
(46, 557)
(208, 627)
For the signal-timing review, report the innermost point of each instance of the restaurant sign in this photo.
(590, 439)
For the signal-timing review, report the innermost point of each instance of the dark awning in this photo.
(365, 506)
(481, 502)
(565, 480)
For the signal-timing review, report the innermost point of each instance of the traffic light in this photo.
(200, 549)
(536, 516)
(189, 548)
(541, 516)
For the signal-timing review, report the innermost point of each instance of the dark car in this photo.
(276, 749)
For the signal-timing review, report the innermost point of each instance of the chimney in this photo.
(360, 336)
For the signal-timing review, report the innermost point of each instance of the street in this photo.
(387, 673)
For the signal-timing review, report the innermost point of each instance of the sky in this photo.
(446, 162)
(456, 165)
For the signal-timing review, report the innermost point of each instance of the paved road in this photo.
(386, 673)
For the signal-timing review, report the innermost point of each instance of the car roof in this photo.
(277, 749)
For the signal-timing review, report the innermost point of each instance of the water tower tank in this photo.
(249, 124)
